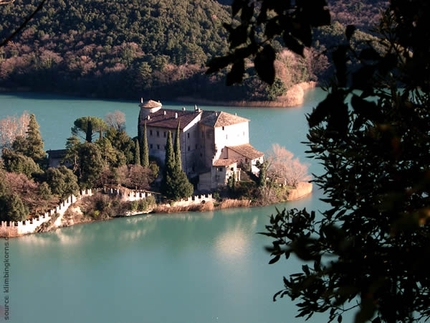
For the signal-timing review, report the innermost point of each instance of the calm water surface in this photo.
(180, 268)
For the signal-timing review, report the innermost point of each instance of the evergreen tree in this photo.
(34, 141)
(137, 153)
(170, 160)
(91, 164)
(31, 145)
(72, 152)
(12, 208)
(144, 158)
(18, 163)
(89, 126)
(62, 181)
(178, 147)
(175, 184)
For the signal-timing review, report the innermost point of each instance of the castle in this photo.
(214, 145)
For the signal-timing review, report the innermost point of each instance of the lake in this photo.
(176, 268)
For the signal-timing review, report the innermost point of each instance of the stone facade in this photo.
(214, 145)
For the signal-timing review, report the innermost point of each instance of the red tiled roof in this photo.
(166, 118)
(224, 162)
(247, 151)
(151, 104)
(221, 119)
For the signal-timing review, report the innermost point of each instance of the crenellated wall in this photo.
(128, 195)
(195, 199)
(18, 228)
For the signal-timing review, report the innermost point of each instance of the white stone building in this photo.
(214, 145)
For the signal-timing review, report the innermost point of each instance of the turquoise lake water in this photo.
(176, 268)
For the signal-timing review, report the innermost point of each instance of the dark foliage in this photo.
(368, 250)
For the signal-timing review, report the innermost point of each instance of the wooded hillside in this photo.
(129, 48)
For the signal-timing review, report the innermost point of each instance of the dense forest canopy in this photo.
(128, 49)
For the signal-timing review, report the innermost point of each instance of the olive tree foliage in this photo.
(367, 251)
(289, 22)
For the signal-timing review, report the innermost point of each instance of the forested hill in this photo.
(74, 42)
(133, 48)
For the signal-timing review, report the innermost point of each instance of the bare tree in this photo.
(12, 127)
(284, 168)
(116, 120)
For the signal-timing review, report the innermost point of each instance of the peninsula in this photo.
(181, 160)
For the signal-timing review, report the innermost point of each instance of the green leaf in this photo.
(247, 12)
(292, 44)
(238, 36)
(340, 60)
(236, 6)
(236, 73)
(366, 109)
(349, 32)
(303, 33)
(369, 54)
(272, 28)
(218, 63)
(274, 259)
(264, 64)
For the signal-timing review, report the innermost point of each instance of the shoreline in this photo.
(293, 98)
(73, 215)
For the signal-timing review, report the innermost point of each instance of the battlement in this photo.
(128, 195)
(17, 228)
(195, 199)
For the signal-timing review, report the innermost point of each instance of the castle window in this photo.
(151, 146)
(150, 132)
(189, 148)
(220, 169)
(165, 134)
(222, 127)
(188, 135)
(158, 146)
(158, 133)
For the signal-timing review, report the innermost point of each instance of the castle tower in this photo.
(146, 108)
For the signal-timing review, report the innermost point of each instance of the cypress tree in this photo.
(89, 132)
(137, 160)
(170, 160)
(175, 184)
(169, 167)
(144, 151)
(178, 147)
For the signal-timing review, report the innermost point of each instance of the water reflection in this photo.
(188, 267)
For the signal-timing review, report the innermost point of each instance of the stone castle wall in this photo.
(18, 228)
